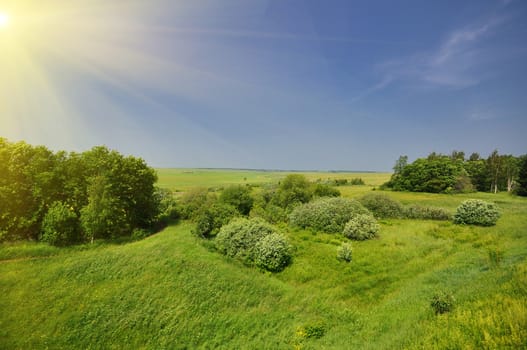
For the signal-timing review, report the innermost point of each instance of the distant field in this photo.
(183, 179)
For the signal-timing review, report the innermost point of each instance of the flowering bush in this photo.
(361, 227)
(477, 212)
(326, 214)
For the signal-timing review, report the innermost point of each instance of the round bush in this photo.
(476, 212)
(60, 225)
(272, 252)
(344, 252)
(382, 206)
(361, 227)
(239, 237)
(326, 214)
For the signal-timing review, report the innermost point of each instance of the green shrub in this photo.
(60, 226)
(316, 330)
(239, 197)
(272, 252)
(238, 238)
(211, 218)
(476, 212)
(426, 213)
(326, 214)
(322, 190)
(344, 252)
(140, 233)
(442, 302)
(167, 206)
(357, 182)
(361, 227)
(192, 201)
(382, 206)
(269, 212)
(340, 182)
(293, 190)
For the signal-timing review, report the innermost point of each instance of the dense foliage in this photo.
(110, 194)
(477, 212)
(451, 174)
(415, 211)
(272, 252)
(274, 203)
(323, 190)
(361, 227)
(382, 205)
(293, 190)
(243, 239)
(435, 174)
(60, 225)
(239, 197)
(522, 176)
(212, 217)
(326, 214)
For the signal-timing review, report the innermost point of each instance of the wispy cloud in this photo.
(455, 63)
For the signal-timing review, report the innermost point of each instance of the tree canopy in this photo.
(449, 174)
(107, 193)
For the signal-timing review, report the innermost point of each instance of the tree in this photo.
(522, 176)
(511, 167)
(400, 164)
(435, 174)
(493, 164)
(99, 184)
(458, 155)
(104, 216)
(293, 190)
(60, 225)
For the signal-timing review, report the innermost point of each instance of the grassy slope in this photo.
(171, 291)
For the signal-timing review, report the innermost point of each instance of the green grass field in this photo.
(183, 179)
(173, 291)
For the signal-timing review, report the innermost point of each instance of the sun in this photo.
(4, 20)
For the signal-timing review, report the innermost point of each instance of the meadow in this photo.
(174, 291)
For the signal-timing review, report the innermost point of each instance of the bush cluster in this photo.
(426, 213)
(254, 241)
(361, 227)
(477, 212)
(326, 214)
(382, 206)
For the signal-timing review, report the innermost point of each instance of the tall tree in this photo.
(493, 164)
(522, 176)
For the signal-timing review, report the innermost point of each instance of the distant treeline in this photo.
(453, 173)
(66, 198)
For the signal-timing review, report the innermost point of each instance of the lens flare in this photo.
(4, 20)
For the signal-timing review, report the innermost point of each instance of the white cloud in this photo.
(456, 62)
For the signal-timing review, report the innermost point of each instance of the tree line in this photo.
(439, 173)
(66, 198)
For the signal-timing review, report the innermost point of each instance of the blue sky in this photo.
(272, 84)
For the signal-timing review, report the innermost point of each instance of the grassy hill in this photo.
(173, 291)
